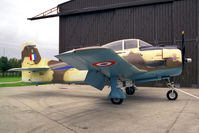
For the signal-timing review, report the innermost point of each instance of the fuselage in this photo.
(155, 63)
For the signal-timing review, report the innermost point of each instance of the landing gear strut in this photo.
(171, 94)
(116, 95)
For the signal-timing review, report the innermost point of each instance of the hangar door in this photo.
(151, 23)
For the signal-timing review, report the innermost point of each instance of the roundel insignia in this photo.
(104, 63)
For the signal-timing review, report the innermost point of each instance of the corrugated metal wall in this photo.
(185, 18)
(154, 23)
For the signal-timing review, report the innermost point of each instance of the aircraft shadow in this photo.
(101, 98)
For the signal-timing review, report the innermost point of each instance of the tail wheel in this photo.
(172, 95)
(130, 90)
(117, 100)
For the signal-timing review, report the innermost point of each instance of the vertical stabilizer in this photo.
(34, 68)
(30, 54)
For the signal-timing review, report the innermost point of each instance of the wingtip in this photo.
(67, 52)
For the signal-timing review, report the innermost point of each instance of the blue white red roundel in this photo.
(104, 63)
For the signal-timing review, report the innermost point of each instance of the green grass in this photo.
(16, 84)
(13, 79)
(10, 79)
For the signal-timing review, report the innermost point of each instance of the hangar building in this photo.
(96, 22)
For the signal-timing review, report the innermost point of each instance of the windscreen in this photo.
(144, 44)
(116, 46)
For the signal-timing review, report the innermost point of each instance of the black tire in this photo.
(172, 95)
(117, 101)
(130, 90)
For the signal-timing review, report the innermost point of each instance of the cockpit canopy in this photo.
(126, 44)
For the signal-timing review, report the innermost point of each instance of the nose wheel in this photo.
(171, 94)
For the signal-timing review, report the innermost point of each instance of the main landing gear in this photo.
(117, 100)
(171, 94)
(130, 90)
(116, 95)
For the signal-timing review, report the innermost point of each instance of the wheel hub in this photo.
(116, 99)
(172, 95)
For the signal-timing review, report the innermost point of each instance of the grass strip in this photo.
(10, 79)
(16, 84)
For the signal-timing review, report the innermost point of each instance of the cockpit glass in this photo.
(116, 46)
(144, 44)
(130, 44)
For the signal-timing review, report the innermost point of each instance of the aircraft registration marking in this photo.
(104, 63)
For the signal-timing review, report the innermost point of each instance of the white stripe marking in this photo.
(188, 93)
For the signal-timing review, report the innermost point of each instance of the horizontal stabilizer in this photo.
(36, 69)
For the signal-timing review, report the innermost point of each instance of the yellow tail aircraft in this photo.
(117, 64)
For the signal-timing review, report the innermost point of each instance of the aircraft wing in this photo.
(36, 69)
(99, 59)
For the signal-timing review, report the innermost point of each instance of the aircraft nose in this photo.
(173, 55)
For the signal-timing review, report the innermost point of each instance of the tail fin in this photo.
(34, 68)
(30, 54)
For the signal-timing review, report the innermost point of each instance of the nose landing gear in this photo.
(171, 94)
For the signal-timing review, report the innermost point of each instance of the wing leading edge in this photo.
(35, 69)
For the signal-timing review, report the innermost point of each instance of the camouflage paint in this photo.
(152, 60)
(70, 75)
(60, 72)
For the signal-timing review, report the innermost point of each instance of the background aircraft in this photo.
(117, 64)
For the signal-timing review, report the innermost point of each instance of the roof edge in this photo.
(109, 7)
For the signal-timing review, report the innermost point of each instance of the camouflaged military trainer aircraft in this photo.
(117, 64)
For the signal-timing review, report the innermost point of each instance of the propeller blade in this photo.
(183, 49)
